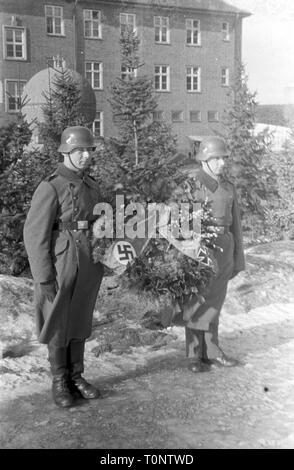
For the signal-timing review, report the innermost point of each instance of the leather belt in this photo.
(76, 225)
(222, 229)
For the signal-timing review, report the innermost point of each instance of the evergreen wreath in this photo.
(162, 269)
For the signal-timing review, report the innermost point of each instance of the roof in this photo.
(205, 5)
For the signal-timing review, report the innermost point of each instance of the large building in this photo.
(189, 47)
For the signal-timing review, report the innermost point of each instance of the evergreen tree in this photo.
(13, 138)
(136, 161)
(280, 218)
(62, 109)
(248, 167)
(15, 187)
(133, 102)
(21, 172)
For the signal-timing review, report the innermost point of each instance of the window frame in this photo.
(195, 111)
(160, 114)
(16, 96)
(215, 119)
(93, 71)
(92, 20)
(58, 62)
(192, 75)
(225, 77)
(130, 72)
(161, 75)
(192, 29)
(226, 31)
(180, 119)
(14, 43)
(101, 122)
(134, 26)
(62, 29)
(160, 32)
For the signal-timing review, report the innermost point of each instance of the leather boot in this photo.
(61, 393)
(85, 389)
(222, 361)
(198, 366)
(75, 362)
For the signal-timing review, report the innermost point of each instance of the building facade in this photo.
(189, 47)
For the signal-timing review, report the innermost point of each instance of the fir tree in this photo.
(136, 161)
(247, 166)
(13, 138)
(23, 171)
(62, 109)
(133, 100)
(15, 187)
(280, 217)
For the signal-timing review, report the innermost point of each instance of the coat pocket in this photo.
(60, 246)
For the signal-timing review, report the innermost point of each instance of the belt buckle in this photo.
(82, 225)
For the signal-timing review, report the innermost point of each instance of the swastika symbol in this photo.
(124, 252)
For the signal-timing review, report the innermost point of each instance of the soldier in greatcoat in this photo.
(201, 325)
(67, 281)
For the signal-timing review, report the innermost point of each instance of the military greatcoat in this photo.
(202, 326)
(63, 255)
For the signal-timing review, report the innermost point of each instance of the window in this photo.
(15, 43)
(195, 116)
(161, 26)
(177, 116)
(94, 74)
(225, 76)
(56, 62)
(225, 31)
(193, 79)
(212, 116)
(161, 77)
(157, 116)
(98, 130)
(128, 73)
(127, 22)
(54, 20)
(13, 92)
(193, 32)
(92, 24)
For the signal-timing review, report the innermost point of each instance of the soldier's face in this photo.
(79, 158)
(216, 165)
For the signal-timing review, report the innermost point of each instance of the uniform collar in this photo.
(209, 182)
(70, 175)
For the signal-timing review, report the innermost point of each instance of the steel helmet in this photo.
(211, 147)
(76, 136)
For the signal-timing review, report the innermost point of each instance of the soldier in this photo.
(56, 237)
(202, 347)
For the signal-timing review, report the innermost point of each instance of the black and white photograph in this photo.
(146, 228)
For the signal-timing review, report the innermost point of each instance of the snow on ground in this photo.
(144, 375)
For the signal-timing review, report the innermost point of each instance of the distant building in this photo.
(280, 134)
(189, 47)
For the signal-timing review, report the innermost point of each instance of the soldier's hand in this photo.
(49, 290)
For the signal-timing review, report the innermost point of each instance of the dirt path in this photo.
(152, 401)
